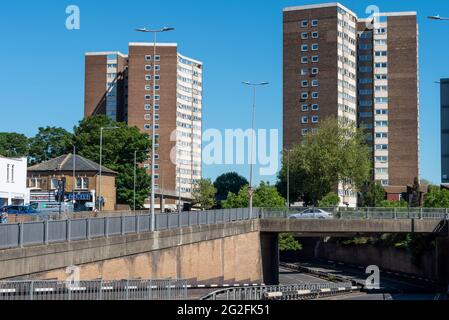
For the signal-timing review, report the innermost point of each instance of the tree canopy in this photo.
(436, 198)
(49, 143)
(204, 194)
(329, 201)
(265, 196)
(227, 183)
(119, 146)
(372, 195)
(13, 145)
(336, 152)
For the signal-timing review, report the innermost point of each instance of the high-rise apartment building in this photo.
(121, 86)
(444, 130)
(362, 71)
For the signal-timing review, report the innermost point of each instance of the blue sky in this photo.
(43, 62)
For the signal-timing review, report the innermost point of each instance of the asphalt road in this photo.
(392, 287)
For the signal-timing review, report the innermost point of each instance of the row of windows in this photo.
(305, 35)
(150, 58)
(313, 71)
(347, 61)
(305, 59)
(149, 87)
(305, 95)
(305, 47)
(148, 77)
(383, 159)
(305, 132)
(305, 119)
(148, 107)
(148, 67)
(313, 83)
(156, 97)
(346, 72)
(305, 107)
(305, 23)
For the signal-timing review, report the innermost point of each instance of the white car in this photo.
(312, 214)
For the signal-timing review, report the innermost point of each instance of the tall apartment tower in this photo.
(320, 72)
(121, 86)
(389, 96)
(444, 130)
(361, 71)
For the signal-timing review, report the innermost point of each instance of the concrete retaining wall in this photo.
(386, 258)
(220, 254)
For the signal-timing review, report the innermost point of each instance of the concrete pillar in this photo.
(270, 258)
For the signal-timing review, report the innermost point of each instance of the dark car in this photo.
(19, 210)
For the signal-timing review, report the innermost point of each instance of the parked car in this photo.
(312, 214)
(20, 210)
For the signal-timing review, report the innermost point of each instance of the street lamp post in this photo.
(74, 177)
(153, 135)
(101, 164)
(251, 190)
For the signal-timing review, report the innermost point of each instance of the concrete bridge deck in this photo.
(228, 252)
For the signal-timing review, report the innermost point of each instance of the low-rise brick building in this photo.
(82, 182)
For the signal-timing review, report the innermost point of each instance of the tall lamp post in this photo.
(153, 135)
(74, 177)
(101, 164)
(251, 190)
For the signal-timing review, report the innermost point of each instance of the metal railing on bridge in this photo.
(48, 232)
(94, 290)
(57, 231)
(363, 213)
(282, 292)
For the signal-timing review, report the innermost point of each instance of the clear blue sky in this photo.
(42, 79)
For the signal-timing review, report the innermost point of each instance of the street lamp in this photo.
(74, 177)
(101, 163)
(437, 17)
(251, 190)
(153, 135)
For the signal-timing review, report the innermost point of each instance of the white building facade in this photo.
(13, 177)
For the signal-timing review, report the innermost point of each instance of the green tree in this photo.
(436, 198)
(265, 196)
(336, 152)
(49, 143)
(119, 146)
(288, 243)
(329, 201)
(415, 200)
(13, 145)
(229, 182)
(204, 194)
(373, 194)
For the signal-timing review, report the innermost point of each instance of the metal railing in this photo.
(35, 233)
(364, 213)
(283, 292)
(48, 232)
(94, 290)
